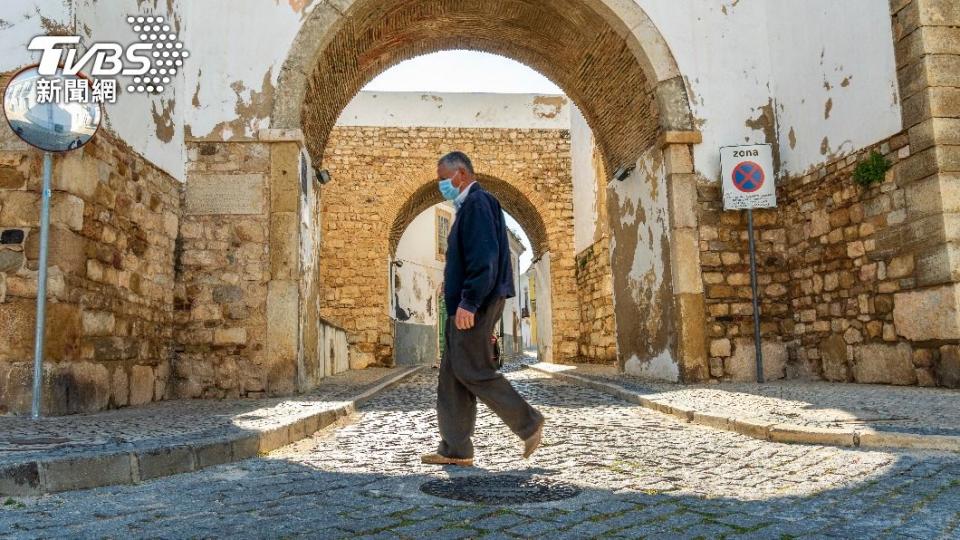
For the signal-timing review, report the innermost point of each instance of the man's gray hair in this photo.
(457, 159)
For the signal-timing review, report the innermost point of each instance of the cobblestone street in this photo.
(641, 474)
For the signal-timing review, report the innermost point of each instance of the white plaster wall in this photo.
(544, 298)
(153, 125)
(835, 77)
(739, 56)
(421, 274)
(475, 110)
(584, 181)
(641, 205)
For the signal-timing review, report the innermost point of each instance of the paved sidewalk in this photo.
(130, 445)
(793, 411)
(642, 474)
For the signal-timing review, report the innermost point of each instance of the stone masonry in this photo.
(114, 222)
(384, 177)
(598, 343)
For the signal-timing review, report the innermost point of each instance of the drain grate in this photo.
(500, 489)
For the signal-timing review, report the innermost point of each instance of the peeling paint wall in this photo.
(639, 252)
(790, 73)
(417, 282)
(757, 69)
(474, 110)
(152, 125)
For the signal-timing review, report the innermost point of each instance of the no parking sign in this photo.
(748, 177)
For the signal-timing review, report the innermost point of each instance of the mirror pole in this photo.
(42, 284)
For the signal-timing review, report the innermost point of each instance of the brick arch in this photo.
(607, 55)
(512, 199)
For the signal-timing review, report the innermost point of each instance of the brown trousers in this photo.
(468, 373)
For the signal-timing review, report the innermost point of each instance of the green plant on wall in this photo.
(871, 170)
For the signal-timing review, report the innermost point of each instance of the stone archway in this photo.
(376, 192)
(607, 56)
(514, 200)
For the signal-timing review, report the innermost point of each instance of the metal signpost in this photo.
(38, 111)
(748, 183)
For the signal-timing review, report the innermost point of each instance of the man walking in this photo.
(478, 278)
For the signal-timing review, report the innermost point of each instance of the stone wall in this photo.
(598, 341)
(384, 177)
(223, 276)
(841, 290)
(114, 222)
(248, 321)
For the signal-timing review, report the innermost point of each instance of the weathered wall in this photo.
(114, 222)
(598, 342)
(224, 273)
(416, 288)
(476, 110)
(150, 124)
(383, 177)
(640, 260)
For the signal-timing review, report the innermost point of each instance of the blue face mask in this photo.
(448, 190)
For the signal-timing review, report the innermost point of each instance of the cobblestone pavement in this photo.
(642, 474)
(930, 411)
(168, 423)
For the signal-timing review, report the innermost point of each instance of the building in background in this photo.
(416, 279)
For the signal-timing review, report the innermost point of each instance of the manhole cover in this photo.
(501, 489)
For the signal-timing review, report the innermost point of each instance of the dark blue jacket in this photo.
(478, 265)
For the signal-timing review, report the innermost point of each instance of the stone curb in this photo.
(761, 429)
(116, 468)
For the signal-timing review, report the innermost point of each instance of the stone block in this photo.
(678, 159)
(20, 480)
(948, 366)
(245, 447)
(720, 347)
(880, 363)
(742, 365)
(683, 200)
(230, 336)
(928, 314)
(811, 435)
(76, 173)
(165, 462)
(685, 262)
(67, 250)
(141, 385)
(938, 12)
(938, 264)
(107, 348)
(66, 210)
(212, 454)
(19, 209)
(284, 177)
(11, 261)
(12, 178)
(98, 323)
(283, 319)
(120, 387)
(692, 341)
(284, 245)
(85, 473)
(833, 354)
(17, 326)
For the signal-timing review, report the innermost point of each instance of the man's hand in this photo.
(464, 319)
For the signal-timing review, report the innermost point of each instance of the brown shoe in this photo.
(531, 443)
(437, 459)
